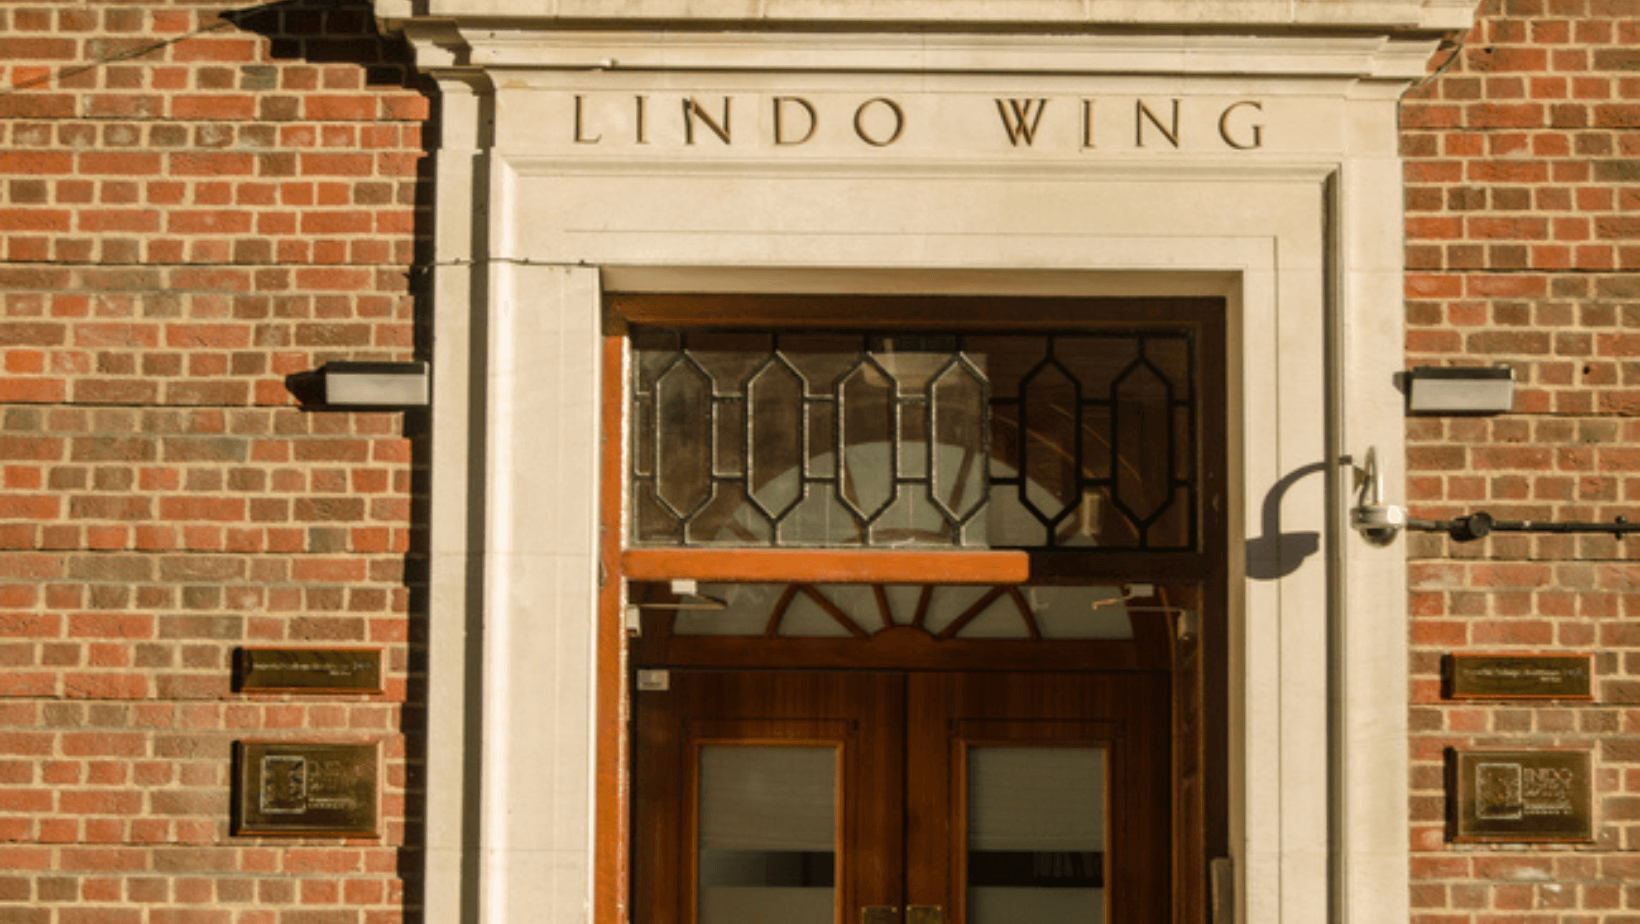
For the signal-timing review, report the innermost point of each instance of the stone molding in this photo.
(1303, 241)
(1021, 15)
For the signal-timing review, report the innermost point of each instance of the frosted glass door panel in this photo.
(1036, 835)
(768, 834)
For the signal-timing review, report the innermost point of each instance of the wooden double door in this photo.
(833, 797)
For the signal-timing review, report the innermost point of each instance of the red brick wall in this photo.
(191, 209)
(1523, 227)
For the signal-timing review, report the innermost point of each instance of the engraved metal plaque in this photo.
(1543, 795)
(1520, 676)
(308, 789)
(310, 670)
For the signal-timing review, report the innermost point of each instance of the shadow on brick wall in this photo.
(321, 32)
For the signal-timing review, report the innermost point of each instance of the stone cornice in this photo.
(1259, 16)
(448, 48)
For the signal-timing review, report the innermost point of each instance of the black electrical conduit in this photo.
(1480, 525)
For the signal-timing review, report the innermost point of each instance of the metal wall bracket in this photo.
(1481, 524)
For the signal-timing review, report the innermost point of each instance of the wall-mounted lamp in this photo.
(366, 384)
(1461, 390)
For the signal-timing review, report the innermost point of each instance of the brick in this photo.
(35, 219)
(215, 49)
(121, 163)
(112, 449)
(1507, 228)
(341, 165)
(213, 107)
(359, 108)
(1500, 115)
(208, 221)
(38, 49)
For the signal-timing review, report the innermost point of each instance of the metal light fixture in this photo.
(1461, 390)
(369, 384)
(1376, 521)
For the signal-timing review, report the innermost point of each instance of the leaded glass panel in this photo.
(763, 438)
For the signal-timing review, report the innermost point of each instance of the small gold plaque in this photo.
(308, 789)
(1521, 796)
(310, 670)
(1520, 676)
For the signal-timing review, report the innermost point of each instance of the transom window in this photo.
(1071, 439)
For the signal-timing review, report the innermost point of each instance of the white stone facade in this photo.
(1242, 150)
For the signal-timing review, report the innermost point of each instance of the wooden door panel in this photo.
(904, 742)
(1125, 714)
(859, 714)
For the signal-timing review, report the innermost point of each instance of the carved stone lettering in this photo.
(1238, 136)
(693, 113)
(1143, 115)
(790, 122)
(1020, 118)
(784, 134)
(879, 137)
(580, 122)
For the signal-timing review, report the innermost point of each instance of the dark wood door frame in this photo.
(1200, 746)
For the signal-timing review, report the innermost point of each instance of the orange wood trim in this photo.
(825, 565)
(911, 312)
(611, 811)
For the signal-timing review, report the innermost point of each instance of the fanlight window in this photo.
(1084, 440)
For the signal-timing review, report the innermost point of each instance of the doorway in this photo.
(986, 798)
(886, 658)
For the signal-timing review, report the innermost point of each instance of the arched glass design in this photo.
(805, 439)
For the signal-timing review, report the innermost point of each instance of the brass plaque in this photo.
(310, 670)
(308, 789)
(1520, 676)
(1543, 795)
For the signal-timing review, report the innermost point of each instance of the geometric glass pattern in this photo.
(873, 439)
